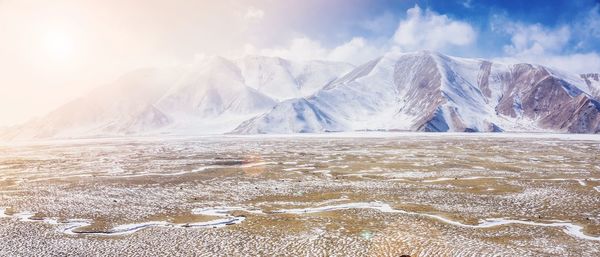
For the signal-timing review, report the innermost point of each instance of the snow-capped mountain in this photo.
(125, 106)
(283, 79)
(211, 99)
(428, 91)
(213, 95)
(420, 91)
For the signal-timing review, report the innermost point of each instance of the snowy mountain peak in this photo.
(212, 95)
(429, 91)
(418, 91)
(284, 79)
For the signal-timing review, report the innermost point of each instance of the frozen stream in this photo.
(76, 226)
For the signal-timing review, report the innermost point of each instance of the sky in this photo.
(54, 51)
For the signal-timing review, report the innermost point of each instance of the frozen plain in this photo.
(336, 194)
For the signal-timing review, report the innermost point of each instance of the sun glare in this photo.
(59, 45)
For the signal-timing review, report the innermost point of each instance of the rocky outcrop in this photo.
(592, 80)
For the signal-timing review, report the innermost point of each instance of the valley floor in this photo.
(358, 194)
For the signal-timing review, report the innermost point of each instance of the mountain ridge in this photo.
(212, 95)
(428, 91)
(417, 91)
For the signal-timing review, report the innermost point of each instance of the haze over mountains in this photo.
(213, 95)
(419, 91)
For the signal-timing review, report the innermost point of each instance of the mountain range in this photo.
(418, 91)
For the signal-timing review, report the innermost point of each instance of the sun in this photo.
(59, 45)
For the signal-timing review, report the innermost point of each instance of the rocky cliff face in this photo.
(535, 93)
(592, 80)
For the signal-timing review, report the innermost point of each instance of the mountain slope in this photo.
(212, 99)
(213, 95)
(283, 79)
(427, 91)
(420, 91)
(592, 80)
(118, 108)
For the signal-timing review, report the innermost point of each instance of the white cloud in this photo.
(535, 43)
(384, 23)
(536, 39)
(467, 3)
(587, 30)
(425, 29)
(254, 13)
(357, 50)
(574, 63)
(422, 29)
(301, 48)
(592, 22)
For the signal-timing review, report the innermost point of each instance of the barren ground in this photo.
(415, 194)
